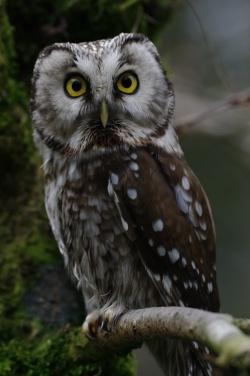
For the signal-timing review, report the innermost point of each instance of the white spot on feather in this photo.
(210, 287)
(167, 283)
(133, 166)
(184, 262)
(186, 195)
(161, 250)
(196, 285)
(185, 183)
(157, 277)
(196, 346)
(158, 225)
(172, 167)
(201, 235)
(151, 242)
(132, 193)
(124, 224)
(203, 225)
(134, 156)
(182, 203)
(174, 255)
(114, 178)
(110, 188)
(198, 208)
(192, 217)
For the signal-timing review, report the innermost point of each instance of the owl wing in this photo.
(166, 215)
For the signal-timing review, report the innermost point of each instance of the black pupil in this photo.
(126, 82)
(76, 85)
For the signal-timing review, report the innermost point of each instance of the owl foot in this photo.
(100, 321)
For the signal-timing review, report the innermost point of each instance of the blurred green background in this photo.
(205, 46)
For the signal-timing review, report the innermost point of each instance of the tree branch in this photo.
(240, 99)
(221, 333)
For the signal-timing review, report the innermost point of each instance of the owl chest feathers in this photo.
(88, 227)
(109, 214)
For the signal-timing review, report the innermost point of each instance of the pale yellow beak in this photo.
(104, 113)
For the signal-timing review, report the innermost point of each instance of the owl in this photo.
(130, 218)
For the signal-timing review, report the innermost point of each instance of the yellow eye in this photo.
(127, 83)
(76, 86)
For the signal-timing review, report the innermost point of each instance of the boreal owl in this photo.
(131, 220)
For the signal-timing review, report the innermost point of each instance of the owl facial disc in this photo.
(101, 95)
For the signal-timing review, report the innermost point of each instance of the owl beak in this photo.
(104, 113)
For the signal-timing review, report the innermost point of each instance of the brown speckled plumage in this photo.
(131, 220)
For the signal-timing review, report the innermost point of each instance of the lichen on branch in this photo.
(221, 333)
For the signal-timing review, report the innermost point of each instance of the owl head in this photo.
(100, 95)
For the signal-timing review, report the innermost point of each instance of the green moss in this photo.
(51, 355)
(20, 260)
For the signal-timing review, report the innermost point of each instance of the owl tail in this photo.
(177, 358)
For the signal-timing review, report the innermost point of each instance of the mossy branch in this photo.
(221, 333)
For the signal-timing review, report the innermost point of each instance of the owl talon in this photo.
(100, 322)
(92, 324)
(105, 326)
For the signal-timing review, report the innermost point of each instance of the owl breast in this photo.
(92, 236)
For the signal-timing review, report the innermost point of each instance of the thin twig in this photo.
(240, 99)
(138, 19)
(219, 332)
